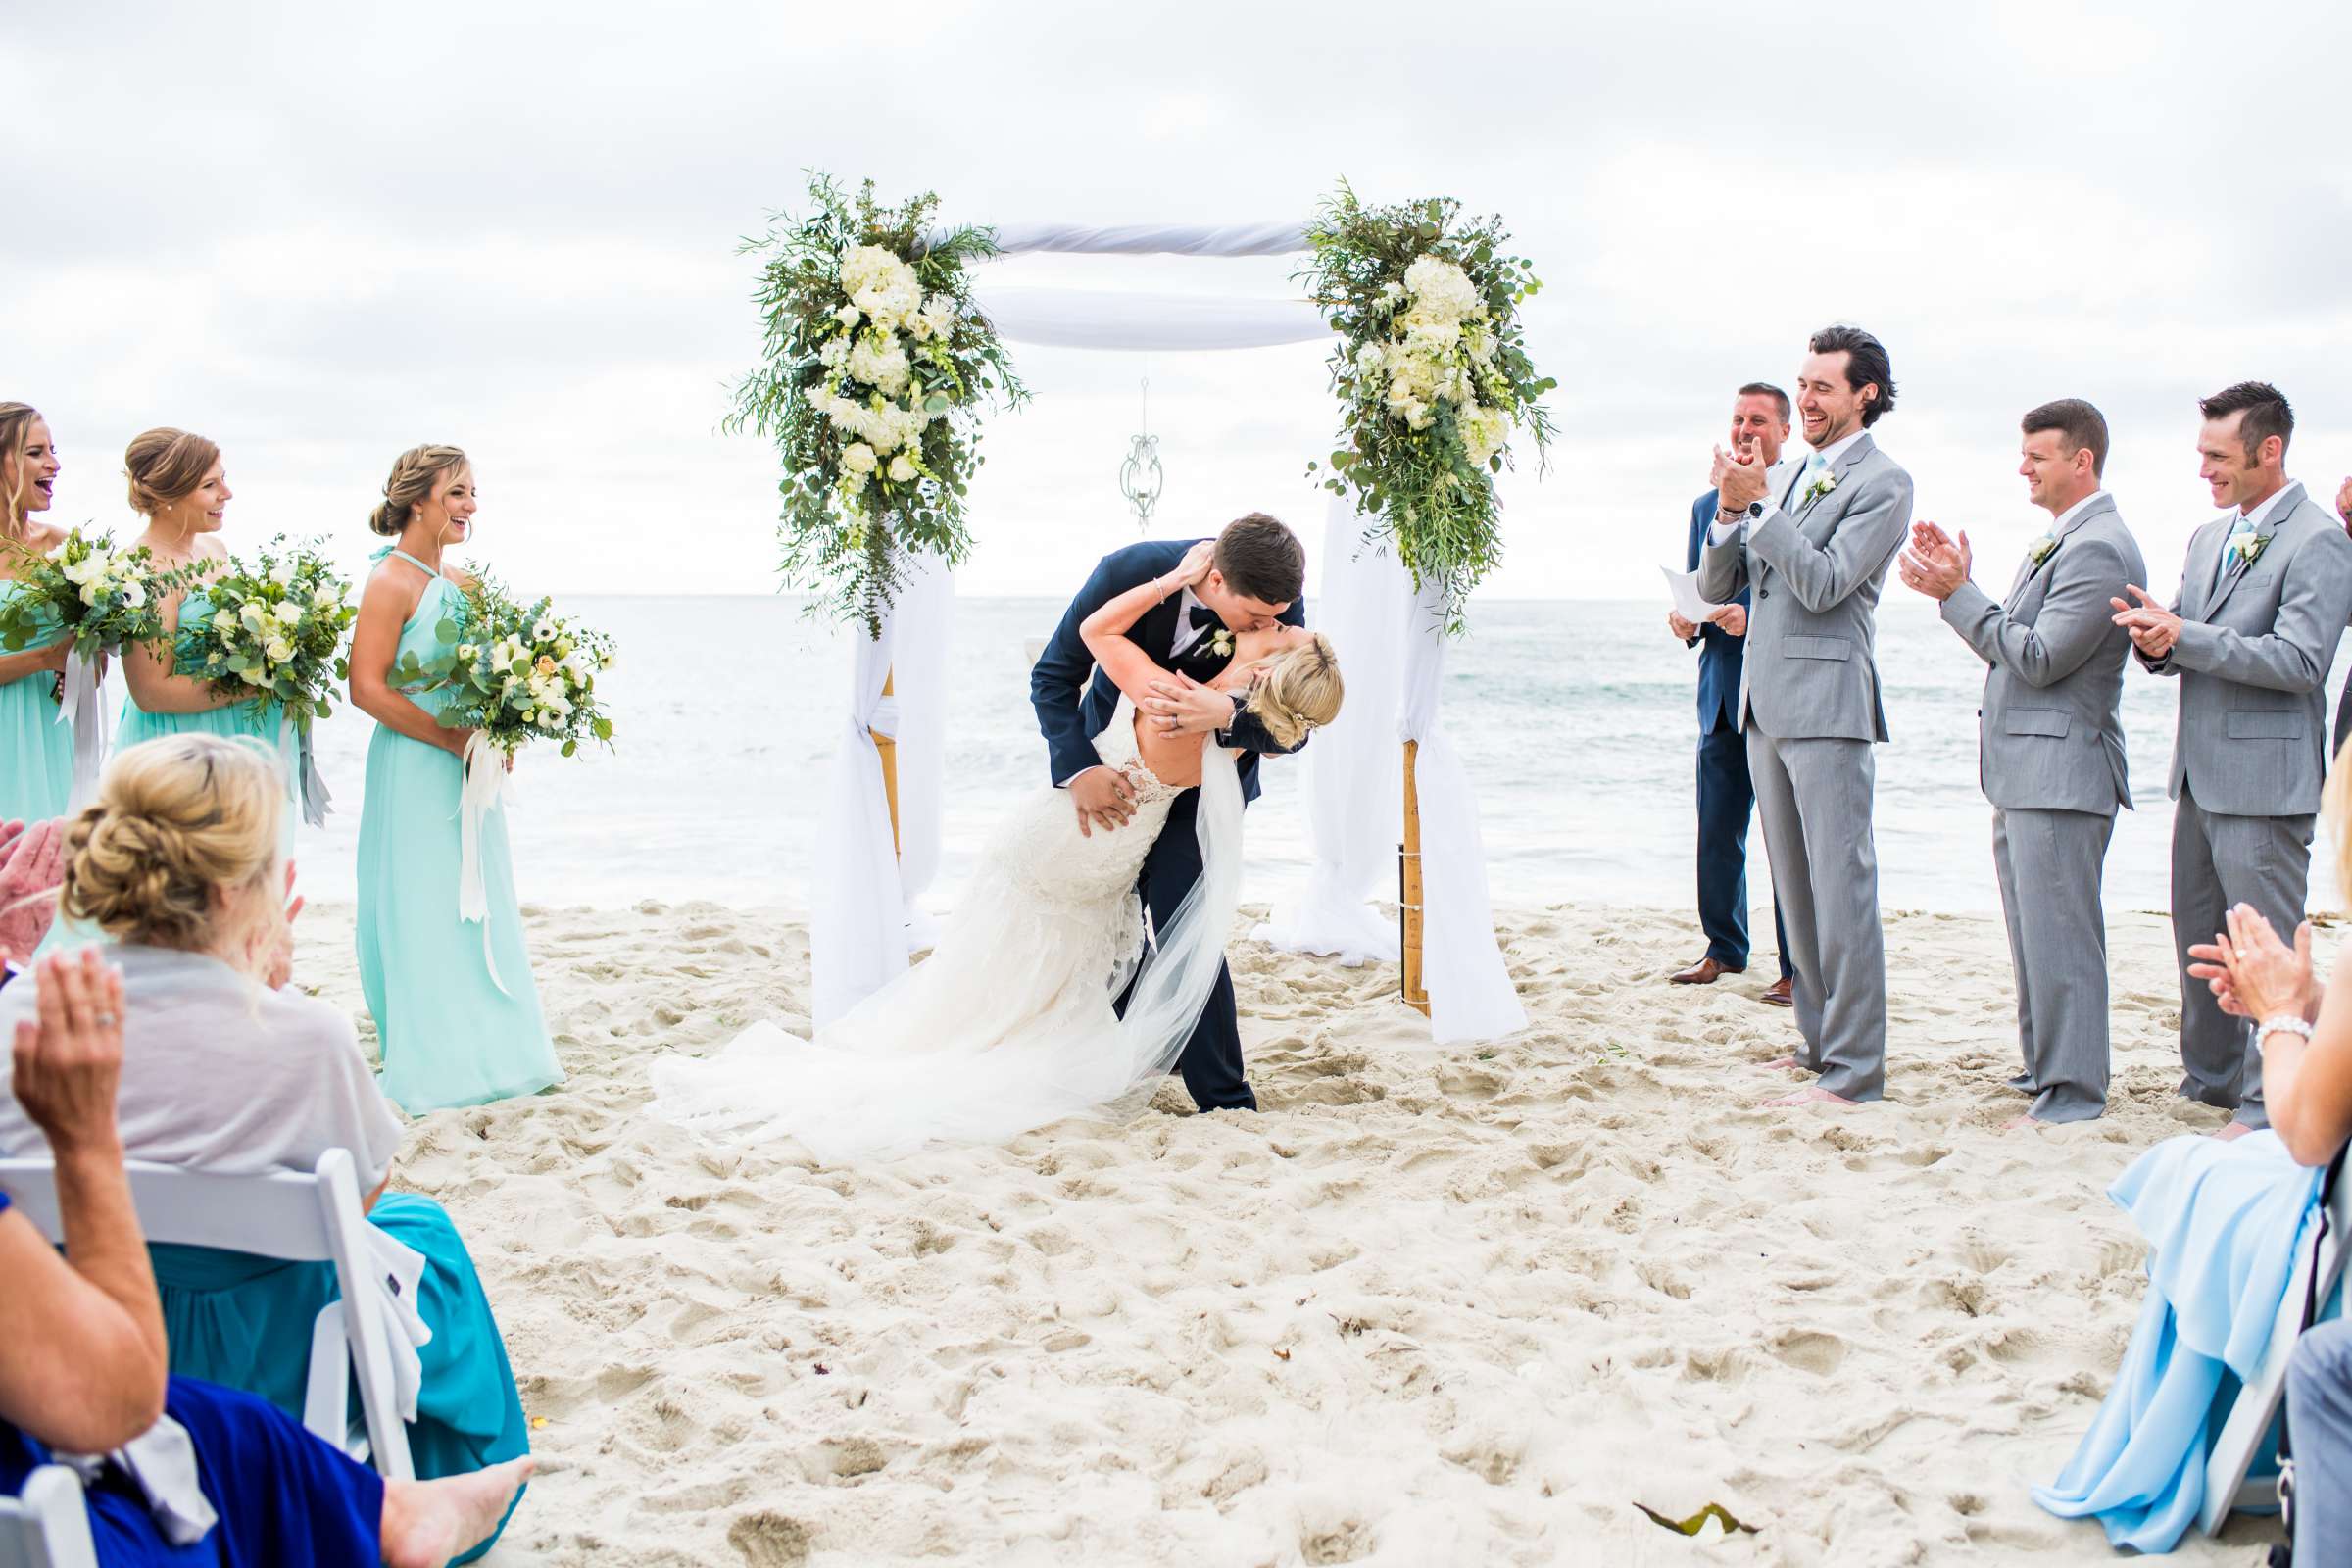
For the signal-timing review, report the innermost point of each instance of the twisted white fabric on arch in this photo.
(1100, 319)
(1147, 239)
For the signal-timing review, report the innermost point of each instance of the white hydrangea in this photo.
(881, 285)
(1483, 431)
(880, 362)
(1441, 290)
(834, 354)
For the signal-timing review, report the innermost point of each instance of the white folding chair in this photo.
(303, 1219)
(46, 1526)
(2250, 1418)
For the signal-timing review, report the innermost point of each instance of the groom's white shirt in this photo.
(1722, 532)
(1185, 631)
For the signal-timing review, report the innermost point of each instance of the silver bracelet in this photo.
(2287, 1024)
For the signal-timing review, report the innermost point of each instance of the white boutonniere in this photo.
(2250, 549)
(1220, 643)
(2041, 550)
(1822, 483)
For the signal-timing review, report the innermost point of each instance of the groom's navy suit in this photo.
(1072, 709)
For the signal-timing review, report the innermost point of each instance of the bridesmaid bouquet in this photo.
(100, 596)
(275, 632)
(517, 673)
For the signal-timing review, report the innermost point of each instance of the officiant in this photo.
(1726, 797)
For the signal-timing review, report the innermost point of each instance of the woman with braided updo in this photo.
(227, 1068)
(456, 1009)
(36, 751)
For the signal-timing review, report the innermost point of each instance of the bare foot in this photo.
(425, 1523)
(1786, 1064)
(1815, 1096)
(2234, 1130)
(2014, 1122)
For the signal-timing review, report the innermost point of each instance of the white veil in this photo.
(990, 1036)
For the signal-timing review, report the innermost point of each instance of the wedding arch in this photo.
(883, 345)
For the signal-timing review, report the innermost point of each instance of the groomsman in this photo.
(1726, 797)
(2263, 603)
(1814, 541)
(2050, 743)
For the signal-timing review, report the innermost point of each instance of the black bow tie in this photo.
(1203, 616)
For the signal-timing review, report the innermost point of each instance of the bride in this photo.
(1009, 1024)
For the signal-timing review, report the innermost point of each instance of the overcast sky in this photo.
(321, 237)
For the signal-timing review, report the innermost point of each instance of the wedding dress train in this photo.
(1007, 1025)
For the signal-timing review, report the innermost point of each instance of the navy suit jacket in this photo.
(1071, 709)
(1720, 654)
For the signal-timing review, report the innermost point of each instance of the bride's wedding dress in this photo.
(1007, 1025)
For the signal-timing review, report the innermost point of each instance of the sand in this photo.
(1431, 1307)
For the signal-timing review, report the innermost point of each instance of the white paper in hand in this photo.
(1682, 588)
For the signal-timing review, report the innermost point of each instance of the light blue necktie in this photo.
(2239, 537)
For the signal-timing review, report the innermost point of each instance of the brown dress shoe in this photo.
(1781, 993)
(1705, 972)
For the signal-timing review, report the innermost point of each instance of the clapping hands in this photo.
(2252, 973)
(2153, 628)
(32, 863)
(1936, 564)
(1739, 477)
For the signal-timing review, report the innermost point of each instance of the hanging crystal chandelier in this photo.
(1140, 477)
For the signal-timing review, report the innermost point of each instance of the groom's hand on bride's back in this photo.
(1104, 798)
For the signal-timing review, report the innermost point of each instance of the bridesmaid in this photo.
(452, 1031)
(180, 485)
(36, 751)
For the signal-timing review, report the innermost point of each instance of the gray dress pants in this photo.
(2219, 861)
(2050, 866)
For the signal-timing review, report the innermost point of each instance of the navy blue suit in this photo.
(1071, 711)
(1725, 794)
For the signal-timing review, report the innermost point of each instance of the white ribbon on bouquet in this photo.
(485, 789)
(300, 759)
(83, 707)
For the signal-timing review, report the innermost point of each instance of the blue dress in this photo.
(2225, 1223)
(246, 1322)
(453, 1032)
(36, 751)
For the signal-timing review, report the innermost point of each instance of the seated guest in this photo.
(2226, 1223)
(177, 863)
(177, 1471)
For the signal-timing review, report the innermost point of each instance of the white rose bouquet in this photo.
(1433, 376)
(86, 589)
(517, 672)
(272, 631)
(878, 364)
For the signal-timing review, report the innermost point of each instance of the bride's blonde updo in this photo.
(1297, 691)
(414, 473)
(176, 818)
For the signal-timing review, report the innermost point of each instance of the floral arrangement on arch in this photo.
(876, 368)
(1433, 377)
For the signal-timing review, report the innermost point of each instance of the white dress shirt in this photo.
(1187, 633)
(2059, 522)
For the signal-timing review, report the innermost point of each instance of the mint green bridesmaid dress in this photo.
(256, 721)
(451, 1033)
(36, 751)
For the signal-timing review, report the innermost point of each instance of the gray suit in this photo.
(2249, 756)
(2050, 750)
(1809, 703)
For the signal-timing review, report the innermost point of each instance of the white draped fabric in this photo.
(1098, 318)
(1470, 992)
(863, 893)
(1354, 779)
(1148, 239)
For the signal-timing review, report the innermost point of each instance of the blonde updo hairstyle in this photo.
(162, 464)
(415, 473)
(17, 420)
(1297, 691)
(182, 825)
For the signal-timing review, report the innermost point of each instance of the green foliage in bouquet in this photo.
(1433, 375)
(273, 631)
(876, 368)
(517, 672)
(85, 588)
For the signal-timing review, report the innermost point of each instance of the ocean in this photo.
(1577, 720)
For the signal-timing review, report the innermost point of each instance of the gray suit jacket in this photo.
(2050, 735)
(2253, 660)
(1812, 627)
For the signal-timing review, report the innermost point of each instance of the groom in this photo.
(1257, 578)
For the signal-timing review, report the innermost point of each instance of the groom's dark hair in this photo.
(1865, 364)
(1259, 559)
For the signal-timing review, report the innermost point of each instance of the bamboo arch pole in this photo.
(1416, 994)
(888, 747)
